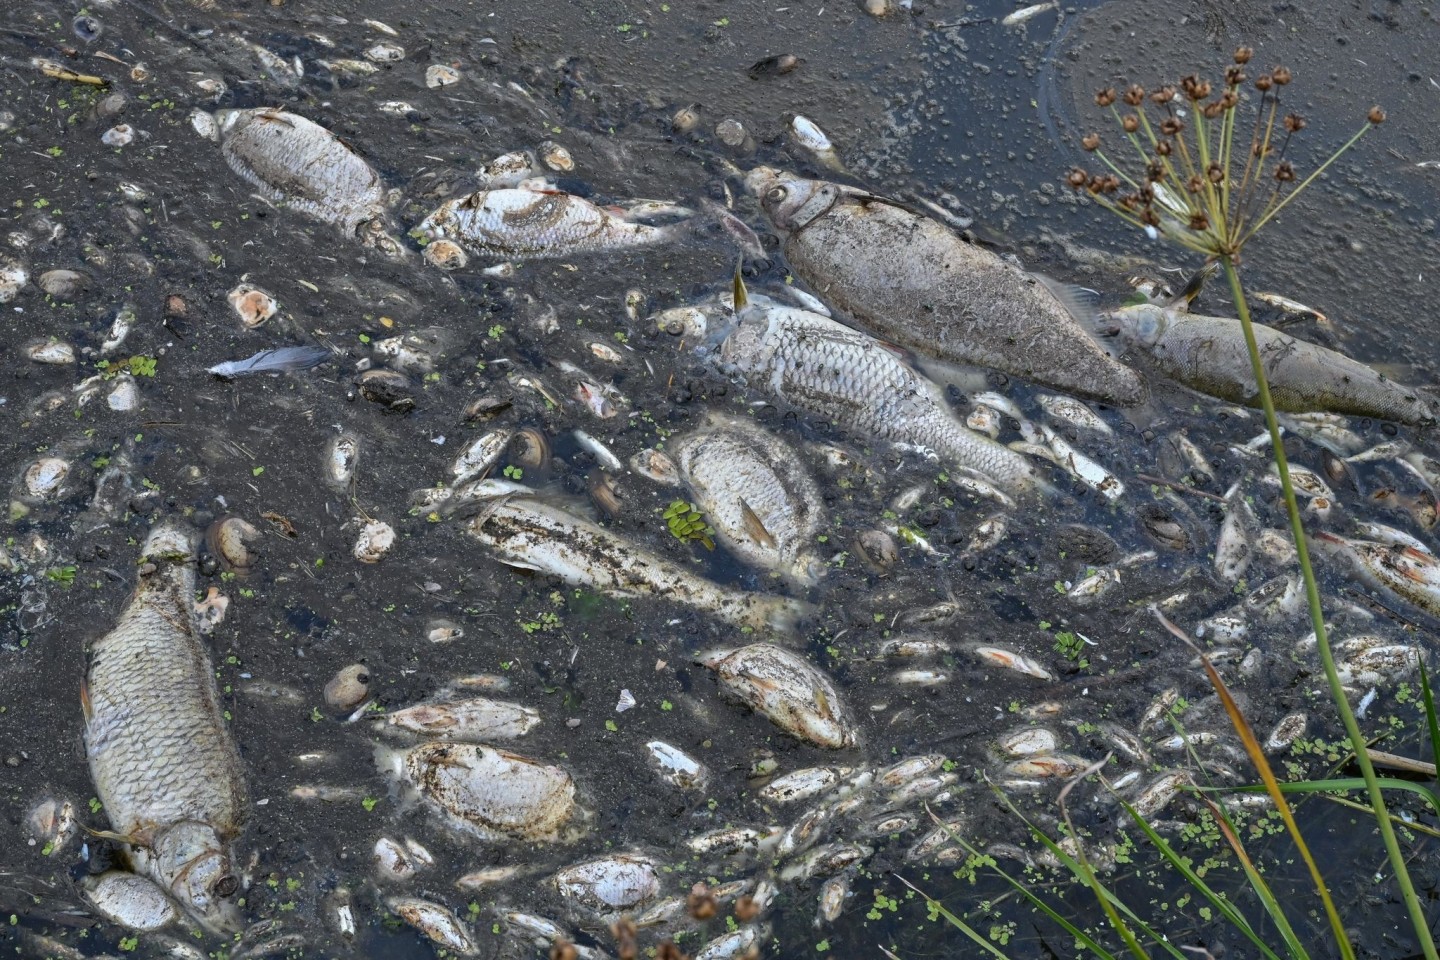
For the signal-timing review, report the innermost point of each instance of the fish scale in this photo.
(160, 753)
(828, 369)
(298, 162)
(523, 224)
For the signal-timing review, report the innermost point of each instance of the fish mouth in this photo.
(761, 179)
(170, 540)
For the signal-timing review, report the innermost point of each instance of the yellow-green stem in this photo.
(1327, 658)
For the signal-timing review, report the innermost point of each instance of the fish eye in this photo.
(226, 886)
(776, 194)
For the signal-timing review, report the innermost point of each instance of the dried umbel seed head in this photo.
(1195, 184)
(1095, 184)
(1234, 76)
(669, 951)
(701, 903)
(1163, 95)
(1077, 178)
(1130, 122)
(1259, 149)
(1135, 95)
(1285, 171)
(1109, 183)
(1376, 115)
(563, 950)
(1195, 88)
(1264, 82)
(1154, 172)
(1281, 76)
(1162, 149)
(1171, 126)
(1215, 173)
(746, 909)
(1105, 97)
(1149, 217)
(1091, 142)
(1212, 110)
(1294, 123)
(1131, 201)
(1198, 221)
(1230, 99)
(1243, 55)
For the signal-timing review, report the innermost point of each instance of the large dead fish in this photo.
(828, 369)
(295, 161)
(162, 759)
(910, 280)
(1209, 354)
(754, 491)
(1394, 569)
(531, 534)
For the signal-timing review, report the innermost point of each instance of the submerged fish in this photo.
(1208, 354)
(752, 489)
(298, 162)
(163, 762)
(910, 280)
(1398, 570)
(828, 369)
(528, 533)
(526, 224)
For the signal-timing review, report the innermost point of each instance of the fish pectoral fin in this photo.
(113, 836)
(755, 527)
(1079, 302)
(85, 704)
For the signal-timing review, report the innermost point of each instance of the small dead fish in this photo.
(1010, 660)
(1026, 13)
(782, 686)
(1400, 571)
(1073, 412)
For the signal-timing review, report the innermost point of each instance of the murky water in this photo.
(942, 105)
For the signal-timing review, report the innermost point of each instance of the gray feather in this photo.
(278, 360)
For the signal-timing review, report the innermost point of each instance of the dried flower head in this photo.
(1285, 171)
(701, 903)
(1230, 99)
(1155, 172)
(1376, 115)
(1215, 173)
(1198, 221)
(1264, 82)
(1195, 88)
(1171, 126)
(563, 949)
(1162, 148)
(1077, 178)
(1149, 217)
(1163, 96)
(1130, 122)
(1195, 184)
(1243, 55)
(1281, 76)
(1212, 109)
(1294, 123)
(1091, 142)
(1234, 76)
(1111, 183)
(1135, 95)
(746, 909)
(1105, 97)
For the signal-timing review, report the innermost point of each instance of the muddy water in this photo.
(942, 104)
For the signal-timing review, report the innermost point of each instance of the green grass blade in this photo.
(1430, 718)
(1345, 785)
(956, 922)
(1225, 907)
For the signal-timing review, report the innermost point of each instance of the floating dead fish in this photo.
(1010, 660)
(436, 922)
(786, 689)
(476, 720)
(134, 902)
(277, 360)
(911, 281)
(1025, 13)
(401, 860)
(676, 767)
(1398, 571)
(619, 882)
(1208, 354)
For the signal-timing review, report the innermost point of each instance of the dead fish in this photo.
(819, 365)
(1400, 571)
(530, 534)
(476, 720)
(1025, 13)
(754, 491)
(911, 281)
(523, 224)
(1208, 354)
(161, 755)
(782, 686)
(619, 882)
(293, 160)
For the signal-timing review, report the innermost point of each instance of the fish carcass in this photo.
(295, 161)
(1209, 354)
(755, 493)
(846, 376)
(163, 762)
(1395, 569)
(910, 280)
(531, 534)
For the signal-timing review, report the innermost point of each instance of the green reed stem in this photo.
(1322, 641)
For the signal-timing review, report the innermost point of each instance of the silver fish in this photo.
(753, 490)
(912, 281)
(826, 368)
(524, 224)
(163, 762)
(530, 534)
(1404, 572)
(784, 687)
(293, 160)
(1208, 354)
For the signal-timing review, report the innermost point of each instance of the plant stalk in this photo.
(1322, 640)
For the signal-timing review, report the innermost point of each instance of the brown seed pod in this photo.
(531, 449)
(1376, 115)
(1281, 76)
(1104, 98)
(1243, 55)
(1294, 123)
(1091, 142)
(701, 903)
(1130, 122)
(227, 539)
(1135, 95)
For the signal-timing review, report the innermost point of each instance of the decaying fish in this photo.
(293, 160)
(491, 793)
(753, 490)
(1401, 571)
(910, 280)
(524, 224)
(162, 759)
(1208, 354)
(787, 689)
(531, 534)
(826, 368)
(478, 719)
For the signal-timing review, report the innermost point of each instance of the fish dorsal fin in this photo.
(1079, 302)
(1182, 300)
